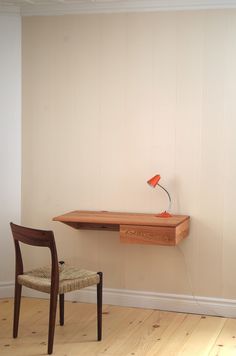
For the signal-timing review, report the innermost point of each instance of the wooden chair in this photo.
(55, 279)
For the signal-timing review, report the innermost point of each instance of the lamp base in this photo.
(164, 214)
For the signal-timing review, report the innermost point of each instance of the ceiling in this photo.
(54, 7)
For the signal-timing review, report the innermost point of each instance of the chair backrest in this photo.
(34, 237)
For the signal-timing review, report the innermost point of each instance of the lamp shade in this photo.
(154, 180)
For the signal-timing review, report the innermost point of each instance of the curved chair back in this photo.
(33, 237)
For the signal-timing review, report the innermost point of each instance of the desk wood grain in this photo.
(133, 227)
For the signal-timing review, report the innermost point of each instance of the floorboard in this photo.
(126, 332)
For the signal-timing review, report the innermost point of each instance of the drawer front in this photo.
(132, 234)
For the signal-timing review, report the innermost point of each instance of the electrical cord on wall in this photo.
(201, 306)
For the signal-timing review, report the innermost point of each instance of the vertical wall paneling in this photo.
(229, 164)
(108, 101)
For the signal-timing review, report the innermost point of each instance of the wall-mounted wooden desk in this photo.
(133, 227)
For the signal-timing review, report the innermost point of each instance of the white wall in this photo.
(10, 142)
(110, 100)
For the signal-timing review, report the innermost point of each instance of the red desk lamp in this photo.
(153, 182)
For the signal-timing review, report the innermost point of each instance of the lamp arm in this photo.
(169, 207)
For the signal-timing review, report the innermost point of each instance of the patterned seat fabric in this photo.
(70, 279)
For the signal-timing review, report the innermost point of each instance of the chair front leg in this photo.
(62, 305)
(52, 320)
(99, 307)
(17, 302)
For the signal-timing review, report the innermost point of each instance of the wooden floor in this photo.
(126, 331)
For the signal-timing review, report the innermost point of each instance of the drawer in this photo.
(157, 235)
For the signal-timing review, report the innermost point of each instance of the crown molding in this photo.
(104, 6)
(9, 10)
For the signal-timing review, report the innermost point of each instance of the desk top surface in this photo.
(118, 218)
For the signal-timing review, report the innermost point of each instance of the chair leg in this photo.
(52, 321)
(17, 301)
(61, 304)
(99, 307)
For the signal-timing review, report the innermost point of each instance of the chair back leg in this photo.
(99, 307)
(17, 302)
(62, 306)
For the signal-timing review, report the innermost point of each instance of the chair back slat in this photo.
(34, 237)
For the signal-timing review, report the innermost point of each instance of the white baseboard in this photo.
(151, 300)
(6, 289)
